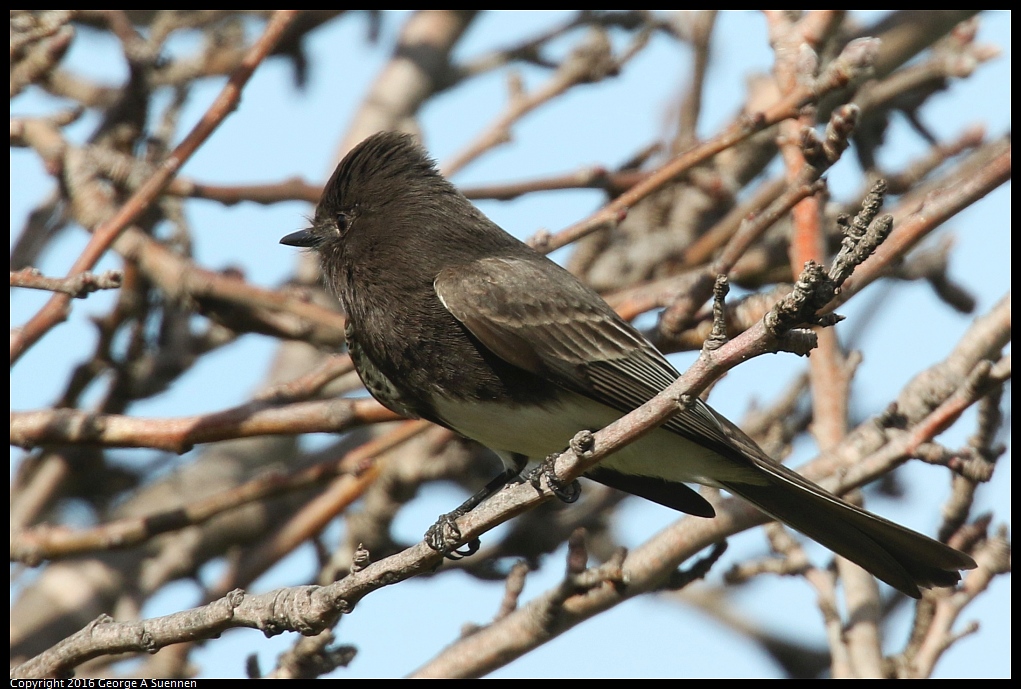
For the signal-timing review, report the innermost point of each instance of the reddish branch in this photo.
(103, 236)
(583, 592)
(70, 426)
(649, 565)
(313, 517)
(855, 59)
(231, 300)
(916, 217)
(311, 609)
(353, 473)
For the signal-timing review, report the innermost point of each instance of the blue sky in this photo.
(272, 137)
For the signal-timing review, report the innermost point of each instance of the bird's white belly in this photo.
(536, 432)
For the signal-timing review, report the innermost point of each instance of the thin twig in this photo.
(55, 309)
(78, 286)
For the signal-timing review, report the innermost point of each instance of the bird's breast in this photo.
(379, 385)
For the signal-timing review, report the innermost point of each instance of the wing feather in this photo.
(576, 340)
(546, 322)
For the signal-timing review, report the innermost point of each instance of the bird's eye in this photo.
(343, 222)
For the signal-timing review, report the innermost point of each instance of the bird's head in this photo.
(388, 171)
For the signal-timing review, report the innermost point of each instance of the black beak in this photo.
(303, 238)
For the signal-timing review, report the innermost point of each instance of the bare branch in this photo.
(64, 426)
(78, 286)
(56, 309)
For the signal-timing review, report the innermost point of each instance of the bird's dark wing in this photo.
(539, 318)
(535, 315)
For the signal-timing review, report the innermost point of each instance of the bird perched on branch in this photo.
(453, 320)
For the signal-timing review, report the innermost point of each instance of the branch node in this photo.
(718, 337)
(235, 598)
(148, 642)
(360, 560)
(583, 443)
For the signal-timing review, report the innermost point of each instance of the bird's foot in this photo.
(445, 535)
(565, 492)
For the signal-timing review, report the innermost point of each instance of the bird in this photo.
(453, 320)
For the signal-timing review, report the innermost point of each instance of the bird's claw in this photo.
(565, 492)
(444, 535)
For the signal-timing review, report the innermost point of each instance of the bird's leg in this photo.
(444, 535)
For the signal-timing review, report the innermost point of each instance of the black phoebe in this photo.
(453, 320)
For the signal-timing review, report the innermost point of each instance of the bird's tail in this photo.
(902, 558)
